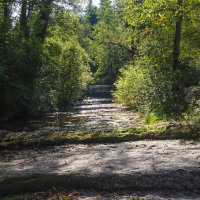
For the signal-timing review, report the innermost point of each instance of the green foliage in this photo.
(68, 61)
(150, 84)
(91, 14)
(192, 116)
(19, 63)
(45, 52)
(151, 118)
(147, 89)
(64, 73)
(129, 87)
(42, 65)
(110, 47)
(44, 98)
(69, 67)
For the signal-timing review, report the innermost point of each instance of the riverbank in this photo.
(56, 136)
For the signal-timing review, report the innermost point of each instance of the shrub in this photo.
(192, 116)
(149, 88)
(151, 118)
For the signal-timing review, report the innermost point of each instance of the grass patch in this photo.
(151, 118)
(153, 130)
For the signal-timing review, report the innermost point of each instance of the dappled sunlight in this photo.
(169, 164)
(99, 94)
(127, 158)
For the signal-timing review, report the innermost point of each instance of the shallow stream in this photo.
(95, 112)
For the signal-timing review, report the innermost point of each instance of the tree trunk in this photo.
(7, 10)
(177, 39)
(23, 19)
(45, 12)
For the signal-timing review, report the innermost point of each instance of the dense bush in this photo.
(166, 59)
(19, 62)
(147, 88)
(64, 73)
(42, 64)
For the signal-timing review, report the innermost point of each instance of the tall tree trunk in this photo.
(31, 4)
(23, 19)
(43, 23)
(177, 39)
(7, 11)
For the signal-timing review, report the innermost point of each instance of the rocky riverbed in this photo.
(172, 165)
(169, 164)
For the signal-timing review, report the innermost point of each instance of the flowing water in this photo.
(95, 112)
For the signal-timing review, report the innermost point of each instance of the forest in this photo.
(100, 98)
(51, 50)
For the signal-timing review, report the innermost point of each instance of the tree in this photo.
(24, 19)
(162, 60)
(91, 13)
(34, 77)
(111, 47)
(68, 59)
(45, 9)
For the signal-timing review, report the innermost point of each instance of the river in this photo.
(95, 112)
